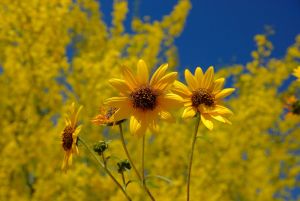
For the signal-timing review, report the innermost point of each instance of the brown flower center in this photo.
(67, 138)
(144, 98)
(202, 96)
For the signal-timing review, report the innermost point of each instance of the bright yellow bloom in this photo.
(142, 101)
(69, 136)
(297, 73)
(203, 94)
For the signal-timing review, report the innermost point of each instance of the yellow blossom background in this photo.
(254, 159)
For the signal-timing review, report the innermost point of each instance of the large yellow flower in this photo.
(69, 136)
(203, 95)
(297, 72)
(144, 101)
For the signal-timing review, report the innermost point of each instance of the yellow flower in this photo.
(105, 117)
(144, 101)
(297, 73)
(203, 95)
(69, 136)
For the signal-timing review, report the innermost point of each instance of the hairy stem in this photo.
(132, 164)
(103, 166)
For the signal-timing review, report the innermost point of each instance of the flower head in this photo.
(105, 117)
(69, 136)
(142, 100)
(297, 73)
(203, 95)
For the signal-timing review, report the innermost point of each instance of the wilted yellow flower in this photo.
(69, 136)
(203, 94)
(105, 117)
(297, 73)
(144, 101)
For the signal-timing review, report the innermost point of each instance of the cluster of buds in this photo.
(100, 147)
(123, 166)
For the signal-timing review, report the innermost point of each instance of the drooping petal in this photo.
(118, 102)
(165, 82)
(129, 78)
(206, 120)
(219, 109)
(190, 80)
(134, 124)
(189, 112)
(218, 85)
(208, 78)
(142, 72)
(159, 73)
(219, 118)
(224, 93)
(181, 89)
(120, 85)
(137, 127)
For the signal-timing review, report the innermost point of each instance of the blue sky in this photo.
(221, 32)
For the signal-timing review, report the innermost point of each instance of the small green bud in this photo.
(100, 147)
(123, 166)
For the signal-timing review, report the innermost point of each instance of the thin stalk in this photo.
(123, 179)
(191, 158)
(132, 164)
(143, 160)
(103, 166)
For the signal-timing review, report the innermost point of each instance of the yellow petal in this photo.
(218, 85)
(224, 93)
(166, 116)
(74, 117)
(170, 101)
(165, 82)
(120, 85)
(198, 76)
(122, 113)
(137, 127)
(219, 109)
(142, 72)
(190, 80)
(219, 118)
(189, 112)
(134, 124)
(159, 73)
(181, 89)
(206, 120)
(208, 78)
(118, 102)
(129, 78)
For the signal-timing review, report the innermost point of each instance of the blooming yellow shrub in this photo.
(252, 159)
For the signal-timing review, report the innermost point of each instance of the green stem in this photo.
(132, 164)
(103, 166)
(191, 158)
(123, 179)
